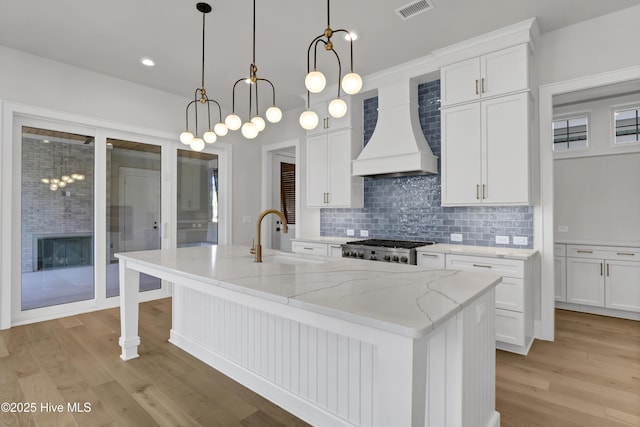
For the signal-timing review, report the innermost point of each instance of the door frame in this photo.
(543, 213)
(123, 173)
(268, 151)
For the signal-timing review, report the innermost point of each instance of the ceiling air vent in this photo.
(412, 9)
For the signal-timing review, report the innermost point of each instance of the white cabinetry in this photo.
(560, 268)
(329, 180)
(316, 248)
(433, 260)
(326, 122)
(604, 276)
(514, 297)
(494, 74)
(485, 123)
(485, 152)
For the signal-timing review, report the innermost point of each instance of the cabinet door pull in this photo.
(601, 269)
(477, 87)
(581, 251)
(477, 191)
(483, 85)
(625, 253)
(430, 255)
(307, 249)
(484, 191)
(607, 269)
(327, 197)
(482, 266)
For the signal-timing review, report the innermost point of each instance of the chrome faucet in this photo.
(285, 229)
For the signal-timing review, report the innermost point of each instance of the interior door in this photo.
(140, 201)
(279, 240)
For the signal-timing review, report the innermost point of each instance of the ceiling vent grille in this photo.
(412, 9)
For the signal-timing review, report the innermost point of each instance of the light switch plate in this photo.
(246, 219)
(456, 237)
(364, 233)
(563, 228)
(502, 240)
(520, 240)
(351, 233)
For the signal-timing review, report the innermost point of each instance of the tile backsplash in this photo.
(408, 208)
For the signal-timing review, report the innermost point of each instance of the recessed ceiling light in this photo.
(351, 36)
(147, 62)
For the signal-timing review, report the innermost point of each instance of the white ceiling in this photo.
(111, 36)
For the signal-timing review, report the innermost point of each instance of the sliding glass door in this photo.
(197, 202)
(133, 206)
(57, 218)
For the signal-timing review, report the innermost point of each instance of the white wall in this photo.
(590, 47)
(35, 81)
(567, 58)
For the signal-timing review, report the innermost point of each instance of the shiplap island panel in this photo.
(334, 341)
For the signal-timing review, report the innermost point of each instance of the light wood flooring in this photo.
(589, 377)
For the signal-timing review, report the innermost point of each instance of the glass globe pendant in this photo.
(197, 144)
(337, 108)
(274, 115)
(259, 123)
(249, 130)
(221, 129)
(315, 81)
(352, 83)
(209, 137)
(308, 119)
(233, 121)
(186, 137)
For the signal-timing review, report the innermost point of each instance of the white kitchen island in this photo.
(337, 342)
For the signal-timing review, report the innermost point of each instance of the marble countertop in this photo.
(485, 251)
(617, 243)
(402, 299)
(326, 239)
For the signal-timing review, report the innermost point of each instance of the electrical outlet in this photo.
(364, 233)
(456, 237)
(246, 219)
(351, 233)
(502, 240)
(520, 240)
(563, 228)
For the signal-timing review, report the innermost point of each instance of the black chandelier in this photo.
(196, 142)
(315, 81)
(256, 123)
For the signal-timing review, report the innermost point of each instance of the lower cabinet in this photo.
(514, 297)
(316, 248)
(433, 260)
(604, 276)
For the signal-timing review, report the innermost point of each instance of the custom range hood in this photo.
(398, 146)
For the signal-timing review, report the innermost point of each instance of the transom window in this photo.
(571, 133)
(627, 125)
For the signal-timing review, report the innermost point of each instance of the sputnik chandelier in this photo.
(196, 142)
(315, 81)
(255, 124)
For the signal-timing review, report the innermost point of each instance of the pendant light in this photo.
(196, 142)
(256, 123)
(315, 81)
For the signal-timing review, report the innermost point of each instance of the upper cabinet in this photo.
(329, 180)
(494, 74)
(485, 124)
(328, 123)
(331, 147)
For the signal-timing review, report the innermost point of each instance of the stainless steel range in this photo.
(403, 252)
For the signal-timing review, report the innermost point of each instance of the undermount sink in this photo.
(293, 260)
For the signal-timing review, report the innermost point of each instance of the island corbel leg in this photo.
(129, 289)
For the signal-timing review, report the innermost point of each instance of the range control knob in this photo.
(373, 258)
(403, 259)
(387, 257)
(395, 258)
(360, 254)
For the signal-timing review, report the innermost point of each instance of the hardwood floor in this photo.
(589, 377)
(76, 359)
